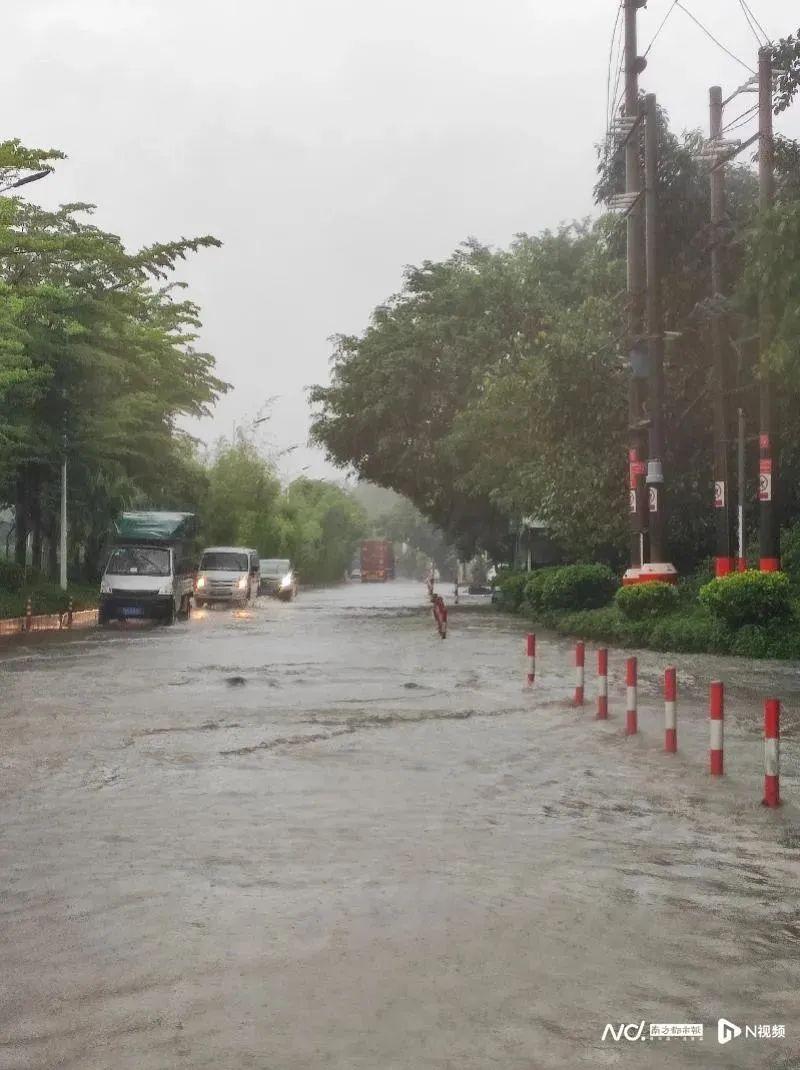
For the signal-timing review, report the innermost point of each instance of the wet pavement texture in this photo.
(313, 835)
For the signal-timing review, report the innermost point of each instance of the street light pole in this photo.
(63, 528)
(63, 549)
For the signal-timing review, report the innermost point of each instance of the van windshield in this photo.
(138, 561)
(223, 561)
(275, 566)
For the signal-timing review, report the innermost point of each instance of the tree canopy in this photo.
(313, 522)
(97, 363)
(493, 386)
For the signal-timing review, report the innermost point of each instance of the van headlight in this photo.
(201, 582)
(105, 586)
(286, 581)
(242, 583)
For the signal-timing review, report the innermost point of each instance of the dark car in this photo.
(278, 578)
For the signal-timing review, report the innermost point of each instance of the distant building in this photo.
(533, 546)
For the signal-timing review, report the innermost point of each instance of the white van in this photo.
(227, 574)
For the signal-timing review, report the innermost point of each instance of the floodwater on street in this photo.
(313, 835)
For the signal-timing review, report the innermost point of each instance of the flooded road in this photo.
(316, 836)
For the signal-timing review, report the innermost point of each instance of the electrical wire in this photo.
(610, 62)
(741, 119)
(618, 93)
(746, 5)
(710, 35)
(672, 7)
(611, 57)
(750, 23)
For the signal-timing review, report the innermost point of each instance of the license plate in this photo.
(132, 611)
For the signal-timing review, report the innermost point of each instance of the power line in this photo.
(741, 119)
(750, 23)
(618, 94)
(710, 35)
(746, 5)
(672, 7)
(610, 62)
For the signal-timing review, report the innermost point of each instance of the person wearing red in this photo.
(440, 615)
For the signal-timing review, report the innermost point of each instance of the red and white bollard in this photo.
(580, 660)
(530, 659)
(602, 684)
(670, 711)
(772, 752)
(716, 713)
(632, 705)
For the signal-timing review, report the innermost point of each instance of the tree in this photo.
(322, 525)
(494, 385)
(406, 526)
(96, 356)
(396, 389)
(243, 496)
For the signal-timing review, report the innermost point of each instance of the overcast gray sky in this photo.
(328, 144)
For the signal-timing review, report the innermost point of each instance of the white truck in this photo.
(150, 570)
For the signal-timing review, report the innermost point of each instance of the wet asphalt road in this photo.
(315, 836)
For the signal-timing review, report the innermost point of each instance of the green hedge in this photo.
(577, 587)
(512, 587)
(535, 587)
(688, 626)
(748, 598)
(645, 600)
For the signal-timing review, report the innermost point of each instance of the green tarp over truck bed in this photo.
(154, 527)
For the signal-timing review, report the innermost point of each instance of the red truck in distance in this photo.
(377, 560)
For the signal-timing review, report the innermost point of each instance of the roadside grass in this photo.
(46, 597)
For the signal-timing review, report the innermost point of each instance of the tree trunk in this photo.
(35, 513)
(21, 520)
(52, 558)
(92, 559)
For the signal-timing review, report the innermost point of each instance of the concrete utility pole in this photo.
(655, 338)
(637, 441)
(723, 558)
(63, 532)
(741, 553)
(63, 528)
(769, 537)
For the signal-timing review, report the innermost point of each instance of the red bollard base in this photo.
(602, 708)
(631, 723)
(772, 796)
(671, 741)
(715, 762)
